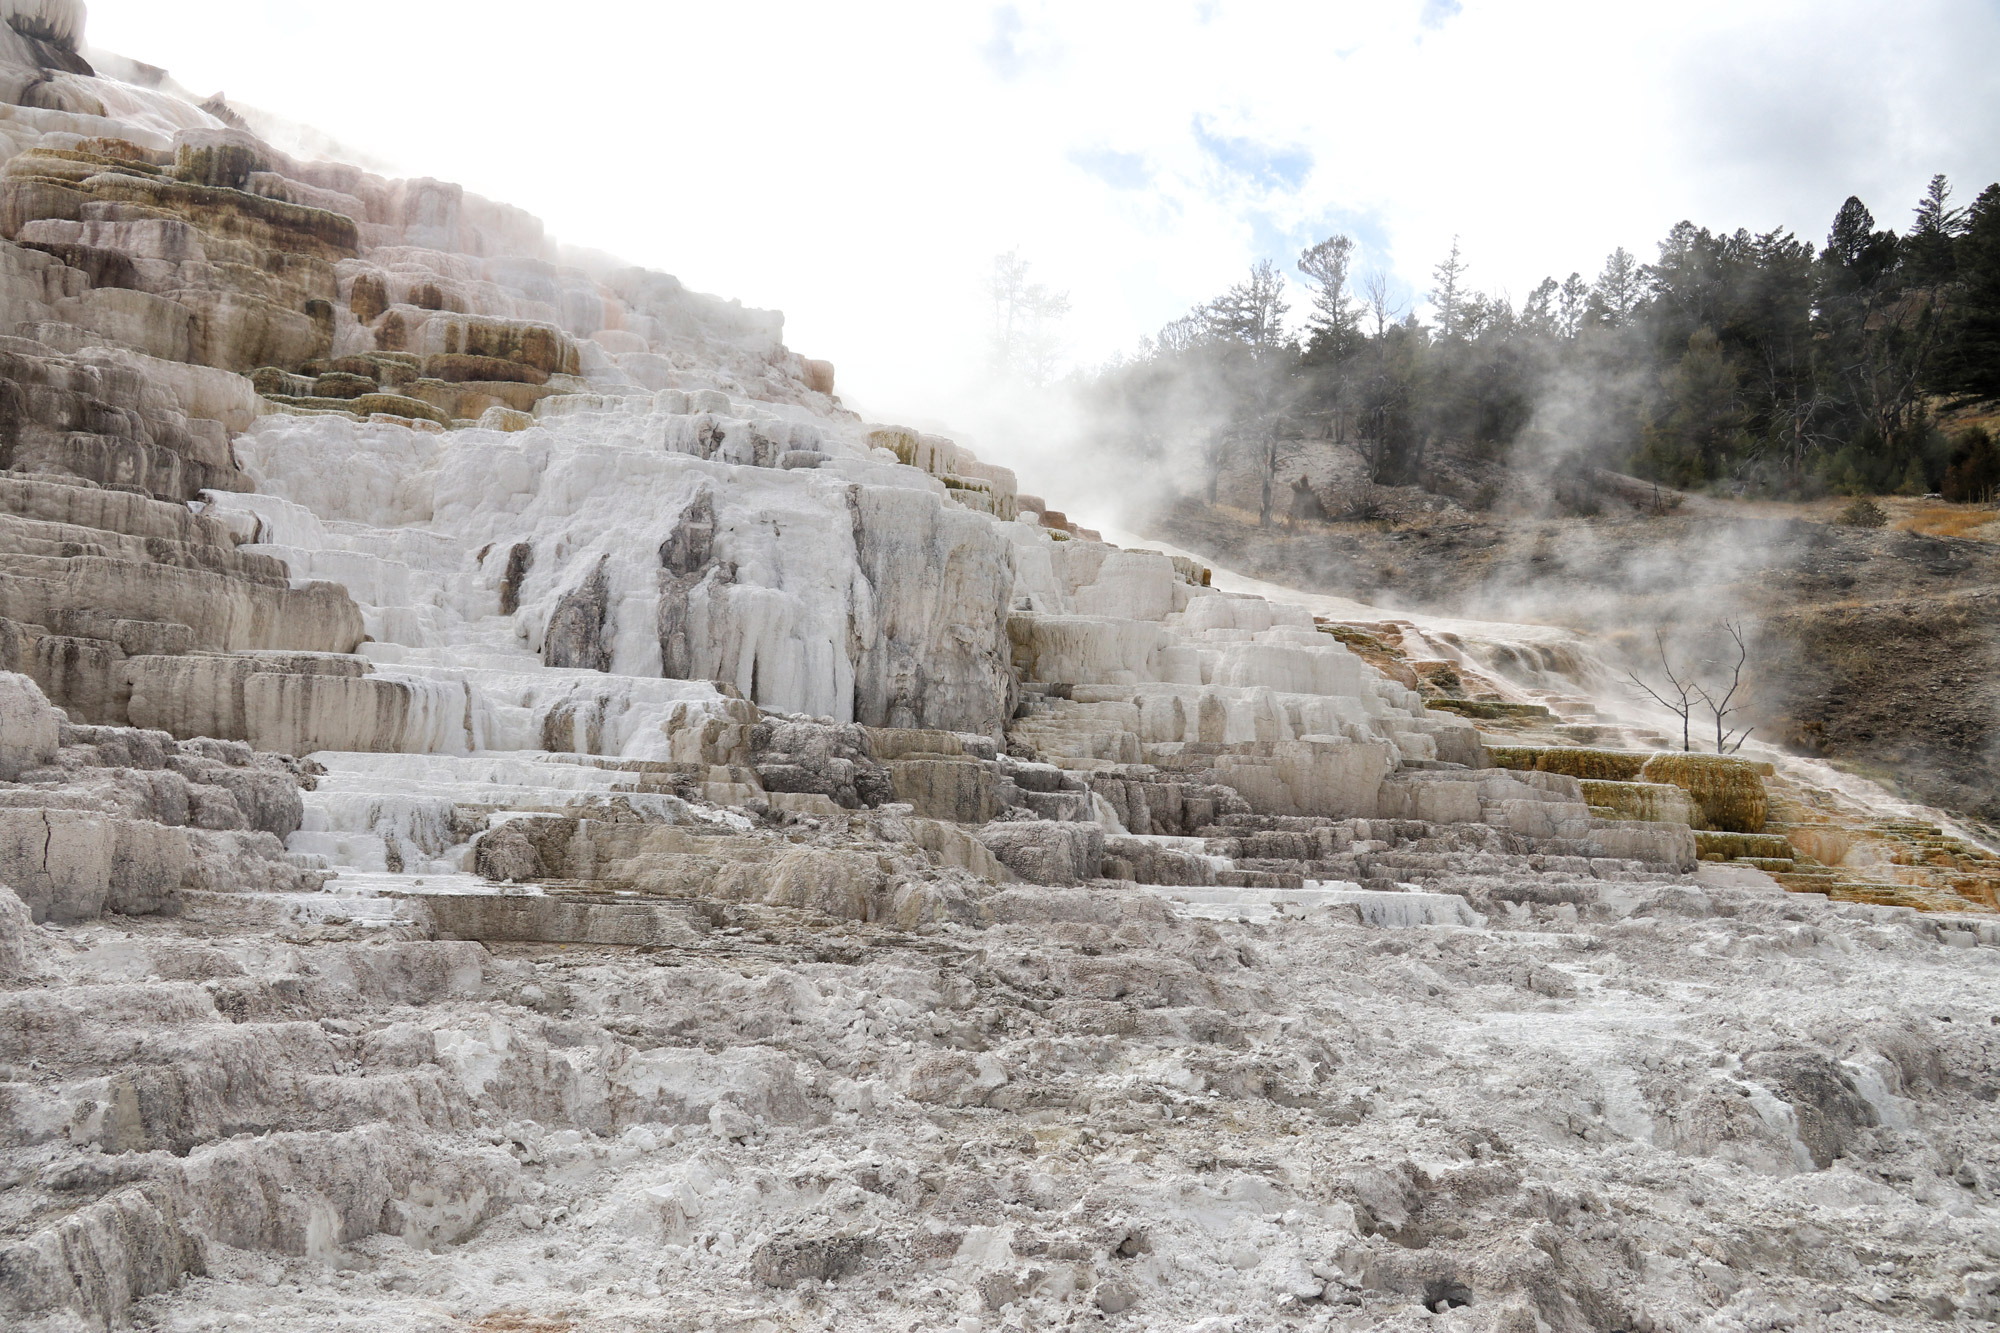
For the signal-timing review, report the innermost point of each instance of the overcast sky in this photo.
(858, 165)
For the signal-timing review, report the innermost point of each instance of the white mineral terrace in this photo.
(419, 527)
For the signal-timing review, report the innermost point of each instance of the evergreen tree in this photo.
(1770, 322)
(1027, 316)
(1857, 256)
(1929, 250)
(1334, 321)
(1974, 474)
(1969, 369)
(1752, 359)
(1700, 431)
(1574, 305)
(1252, 313)
(1879, 341)
(1538, 314)
(1615, 297)
(1449, 296)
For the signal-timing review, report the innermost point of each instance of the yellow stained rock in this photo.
(1728, 793)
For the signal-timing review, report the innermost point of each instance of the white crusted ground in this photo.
(1569, 1116)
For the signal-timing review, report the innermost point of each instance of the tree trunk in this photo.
(1264, 512)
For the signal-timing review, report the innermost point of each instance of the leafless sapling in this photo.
(1677, 696)
(1271, 452)
(1728, 740)
(1375, 292)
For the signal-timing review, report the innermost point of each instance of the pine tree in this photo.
(1449, 296)
(1538, 315)
(1970, 367)
(1334, 321)
(1574, 304)
(1700, 432)
(1879, 342)
(1929, 250)
(1856, 254)
(1615, 297)
(1026, 336)
(1253, 313)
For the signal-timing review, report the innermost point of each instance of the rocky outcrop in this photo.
(41, 56)
(99, 819)
(1059, 854)
(409, 432)
(111, 419)
(29, 729)
(184, 262)
(100, 587)
(936, 646)
(575, 633)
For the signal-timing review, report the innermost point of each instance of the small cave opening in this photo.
(1445, 1295)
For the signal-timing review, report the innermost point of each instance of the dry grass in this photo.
(1954, 422)
(1932, 519)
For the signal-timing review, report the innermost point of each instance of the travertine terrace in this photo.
(519, 811)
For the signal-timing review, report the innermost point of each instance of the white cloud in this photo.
(858, 166)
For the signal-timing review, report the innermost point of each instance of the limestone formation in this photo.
(29, 732)
(519, 810)
(1062, 855)
(97, 819)
(1728, 794)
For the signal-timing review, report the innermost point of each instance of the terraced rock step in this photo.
(561, 915)
(1489, 711)
(1815, 840)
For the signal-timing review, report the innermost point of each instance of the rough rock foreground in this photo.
(517, 811)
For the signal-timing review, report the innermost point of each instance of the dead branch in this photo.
(1683, 692)
(1729, 740)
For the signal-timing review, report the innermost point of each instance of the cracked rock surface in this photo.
(1639, 1105)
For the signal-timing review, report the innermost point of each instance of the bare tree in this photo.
(1272, 454)
(1677, 696)
(1728, 740)
(1375, 291)
(1685, 691)
(1183, 335)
